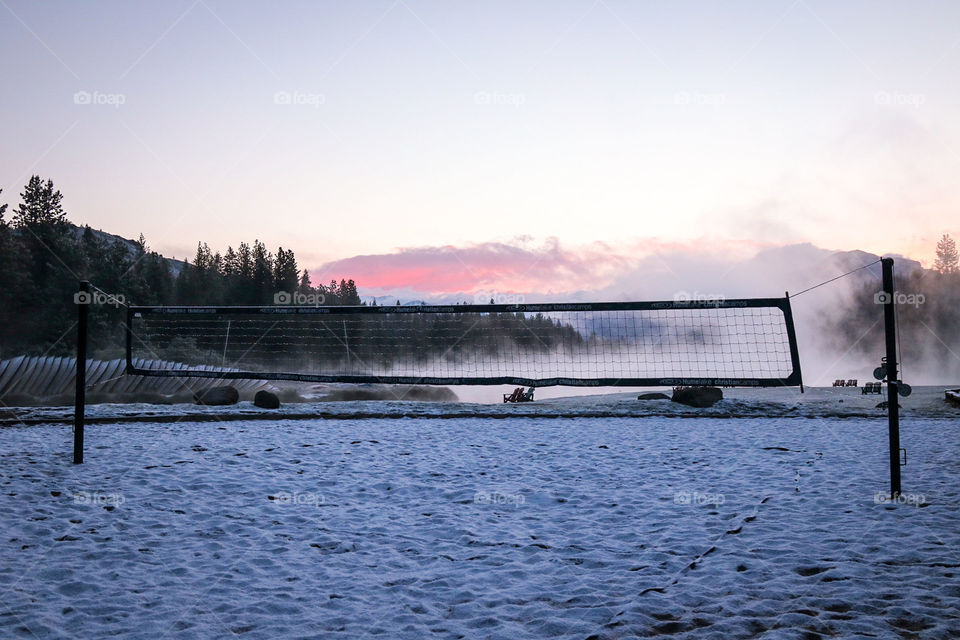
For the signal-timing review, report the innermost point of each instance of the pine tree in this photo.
(202, 260)
(304, 287)
(231, 264)
(245, 261)
(333, 293)
(947, 258)
(9, 285)
(41, 207)
(286, 275)
(262, 274)
(241, 290)
(200, 278)
(46, 232)
(52, 262)
(216, 268)
(233, 280)
(348, 293)
(151, 281)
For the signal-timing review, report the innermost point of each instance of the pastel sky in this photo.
(590, 129)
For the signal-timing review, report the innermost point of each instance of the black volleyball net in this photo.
(743, 342)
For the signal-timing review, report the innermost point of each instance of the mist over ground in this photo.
(839, 325)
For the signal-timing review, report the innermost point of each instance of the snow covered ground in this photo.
(586, 527)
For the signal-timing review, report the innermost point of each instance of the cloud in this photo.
(540, 270)
(516, 265)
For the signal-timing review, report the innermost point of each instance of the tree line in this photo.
(44, 256)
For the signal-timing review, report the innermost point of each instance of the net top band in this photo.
(718, 303)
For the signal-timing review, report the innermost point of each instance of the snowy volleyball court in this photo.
(602, 526)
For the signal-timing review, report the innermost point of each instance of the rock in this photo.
(653, 396)
(217, 396)
(266, 400)
(952, 396)
(885, 404)
(430, 394)
(697, 396)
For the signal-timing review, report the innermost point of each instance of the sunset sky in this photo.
(560, 136)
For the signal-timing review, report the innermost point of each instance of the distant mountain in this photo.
(800, 266)
(406, 298)
(130, 245)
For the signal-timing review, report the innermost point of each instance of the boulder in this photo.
(429, 394)
(952, 396)
(697, 396)
(217, 396)
(653, 396)
(266, 400)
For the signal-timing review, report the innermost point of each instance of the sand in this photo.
(534, 527)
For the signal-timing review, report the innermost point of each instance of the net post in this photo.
(893, 387)
(129, 341)
(80, 394)
(792, 338)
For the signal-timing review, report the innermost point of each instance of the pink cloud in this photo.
(498, 265)
(514, 266)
